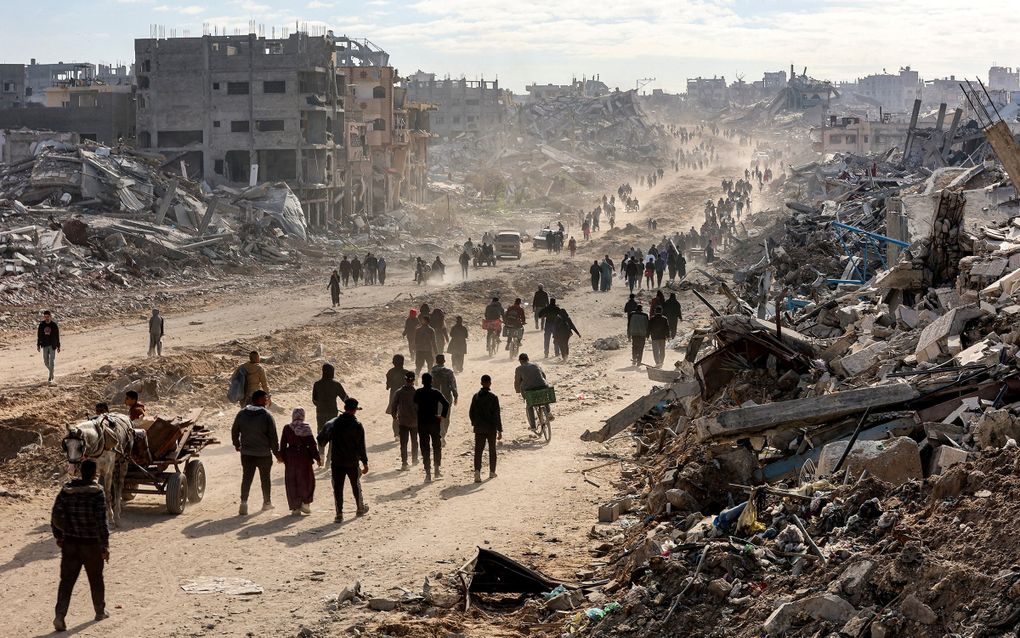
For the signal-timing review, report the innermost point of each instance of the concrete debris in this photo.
(859, 390)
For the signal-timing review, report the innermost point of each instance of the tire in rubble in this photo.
(176, 493)
(194, 472)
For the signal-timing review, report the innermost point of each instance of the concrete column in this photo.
(896, 228)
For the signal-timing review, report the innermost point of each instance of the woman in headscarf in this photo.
(298, 450)
(458, 344)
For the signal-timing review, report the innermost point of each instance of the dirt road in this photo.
(537, 507)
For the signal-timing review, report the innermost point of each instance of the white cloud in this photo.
(315, 4)
(190, 10)
(253, 8)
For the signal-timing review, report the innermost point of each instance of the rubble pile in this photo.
(85, 217)
(612, 127)
(835, 456)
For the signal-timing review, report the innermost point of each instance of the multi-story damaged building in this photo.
(316, 112)
(711, 92)
(1004, 78)
(12, 86)
(463, 106)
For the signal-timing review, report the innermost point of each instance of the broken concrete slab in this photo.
(907, 317)
(822, 606)
(945, 457)
(933, 342)
(895, 460)
(861, 361)
(640, 407)
(994, 427)
(742, 422)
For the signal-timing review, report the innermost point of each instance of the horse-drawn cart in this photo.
(164, 461)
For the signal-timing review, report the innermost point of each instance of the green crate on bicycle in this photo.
(541, 396)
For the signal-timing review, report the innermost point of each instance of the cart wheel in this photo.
(176, 493)
(194, 471)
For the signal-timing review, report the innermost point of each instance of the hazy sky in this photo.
(552, 40)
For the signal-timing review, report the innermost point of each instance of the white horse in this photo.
(107, 440)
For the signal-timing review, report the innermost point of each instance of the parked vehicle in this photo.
(508, 244)
(541, 239)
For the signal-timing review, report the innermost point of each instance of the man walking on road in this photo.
(658, 332)
(334, 288)
(346, 437)
(444, 380)
(538, 303)
(395, 381)
(254, 435)
(48, 342)
(464, 260)
(424, 344)
(549, 315)
(405, 417)
(155, 334)
(325, 394)
(637, 330)
(254, 378)
(432, 409)
(596, 272)
(487, 425)
(674, 313)
(410, 327)
(79, 526)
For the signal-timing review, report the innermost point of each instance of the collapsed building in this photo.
(320, 113)
(463, 106)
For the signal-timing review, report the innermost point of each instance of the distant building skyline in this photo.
(539, 43)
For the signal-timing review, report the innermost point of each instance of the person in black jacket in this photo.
(538, 302)
(658, 332)
(254, 436)
(487, 424)
(79, 526)
(674, 313)
(325, 394)
(48, 342)
(596, 273)
(346, 436)
(432, 409)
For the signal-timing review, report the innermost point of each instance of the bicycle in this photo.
(492, 330)
(538, 411)
(514, 337)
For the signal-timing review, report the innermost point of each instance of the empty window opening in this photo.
(180, 138)
(274, 86)
(269, 125)
(237, 165)
(237, 88)
(240, 126)
(278, 165)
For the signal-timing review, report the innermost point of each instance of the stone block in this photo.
(994, 427)
(382, 604)
(861, 361)
(854, 578)
(609, 512)
(682, 501)
(946, 457)
(906, 317)
(893, 460)
(823, 606)
(915, 610)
